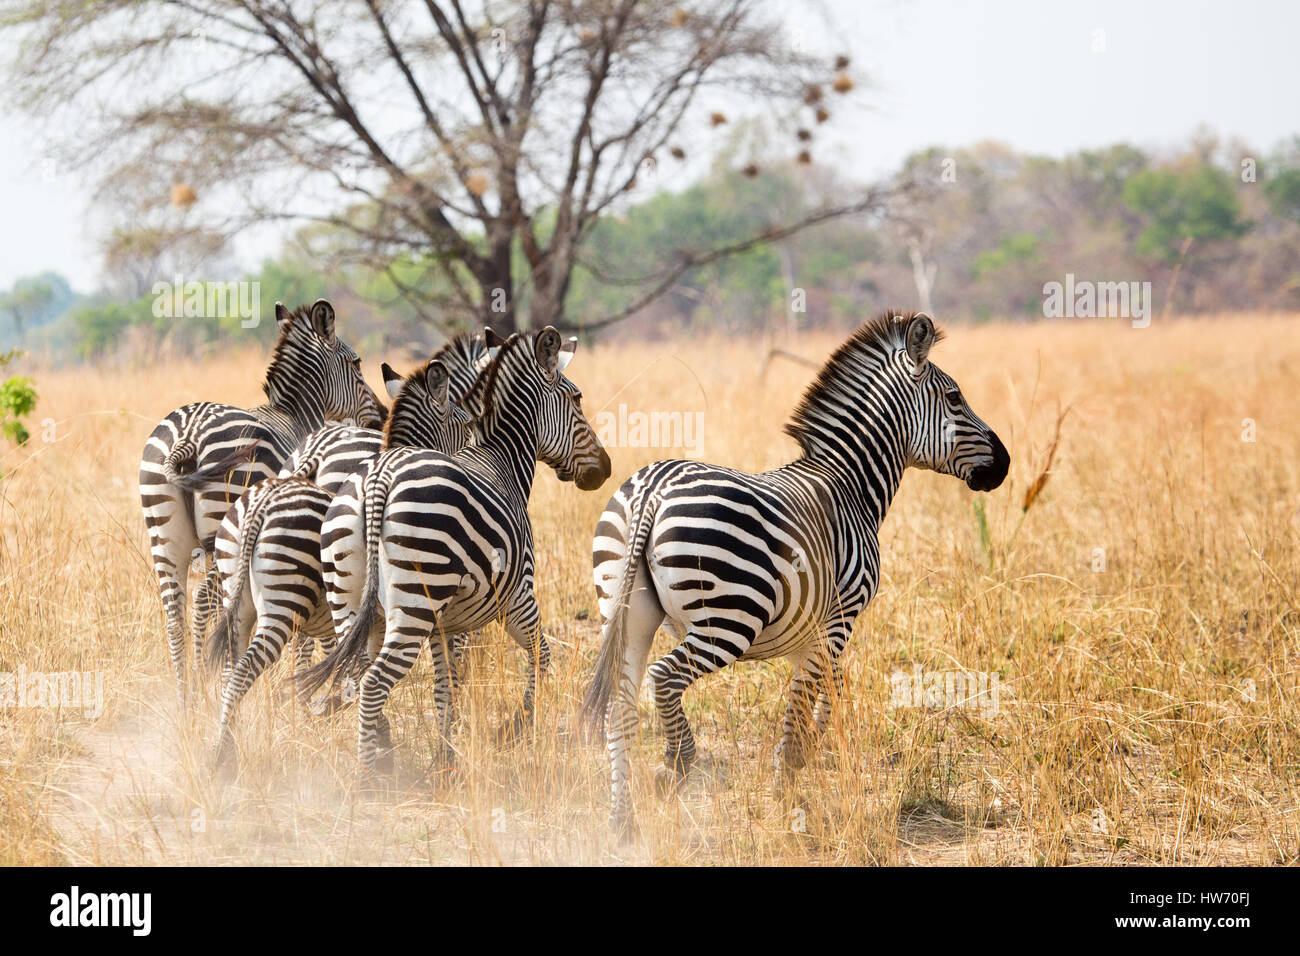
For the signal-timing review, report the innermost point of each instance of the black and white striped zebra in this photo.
(202, 456)
(268, 550)
(449, 546)
(779, 564)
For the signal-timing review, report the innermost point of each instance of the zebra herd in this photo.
(328, 519)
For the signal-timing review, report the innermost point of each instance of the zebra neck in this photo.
(507, 468)
(295, 390)
(861, 467)
(293, 425)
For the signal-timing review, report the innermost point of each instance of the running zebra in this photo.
(201, 457)
(448, 543)
(268, 551)
(738, 565)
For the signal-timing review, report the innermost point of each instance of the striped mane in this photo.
(834, 386)
(480, 401)
(283, 360)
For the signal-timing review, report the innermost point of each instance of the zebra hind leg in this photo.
(402, 638)
(672, 674)
(264, 650)
(207, 604)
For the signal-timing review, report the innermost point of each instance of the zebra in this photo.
(200, 458)
(269, 545)
(448, 542)
(779, 564)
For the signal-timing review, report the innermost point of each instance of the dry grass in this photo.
(1126, 733)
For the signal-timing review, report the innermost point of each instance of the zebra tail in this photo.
(352, 648)
(221, 644)
(609, 660)
(215, 473)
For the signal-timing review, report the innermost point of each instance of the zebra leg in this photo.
(264, 650)
(523, 624)
(402, 638)
(459, 648)
(207, 602)
(832, 682)
(171, 562)
(694, 657)
(443, 698)
(792, 750)
(640, 622)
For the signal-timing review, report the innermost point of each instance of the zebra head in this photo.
(314, 367)
(945, 434)
(565, 439)
(423, 414)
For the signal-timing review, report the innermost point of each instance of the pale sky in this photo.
(944, 72)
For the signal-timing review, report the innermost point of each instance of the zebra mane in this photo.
(464, 355)
(875, 337)
(282, 357)
(480, 401)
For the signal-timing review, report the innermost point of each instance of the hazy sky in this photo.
(1020, 71)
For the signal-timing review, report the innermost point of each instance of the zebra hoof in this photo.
(221, 759)
(668, 781)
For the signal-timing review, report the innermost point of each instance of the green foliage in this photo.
(1196, 202)
(17, 399)
(1283, 192)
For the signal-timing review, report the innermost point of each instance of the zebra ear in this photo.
(547, 348)
(437, 380)
(282, 315)
(920, 336)
(493, 342)
(322, 319)
(392, 381)
(567, 351)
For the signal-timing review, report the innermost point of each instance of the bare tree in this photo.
(465, 148)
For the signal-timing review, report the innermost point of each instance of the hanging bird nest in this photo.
(843, 83)
(717, 119)
(183, 195)
(477, 183)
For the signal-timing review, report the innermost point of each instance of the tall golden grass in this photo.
(1139, 609)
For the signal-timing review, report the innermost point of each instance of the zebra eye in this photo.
(953, 395)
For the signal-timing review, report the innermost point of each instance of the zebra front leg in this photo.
(443, 699)
(792, 750)
(264, 650)
(696, 656)
(523, 625)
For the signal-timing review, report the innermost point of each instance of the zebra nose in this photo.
(592, 478)
(987, 477)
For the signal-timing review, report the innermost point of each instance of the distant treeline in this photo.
(981, 231)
